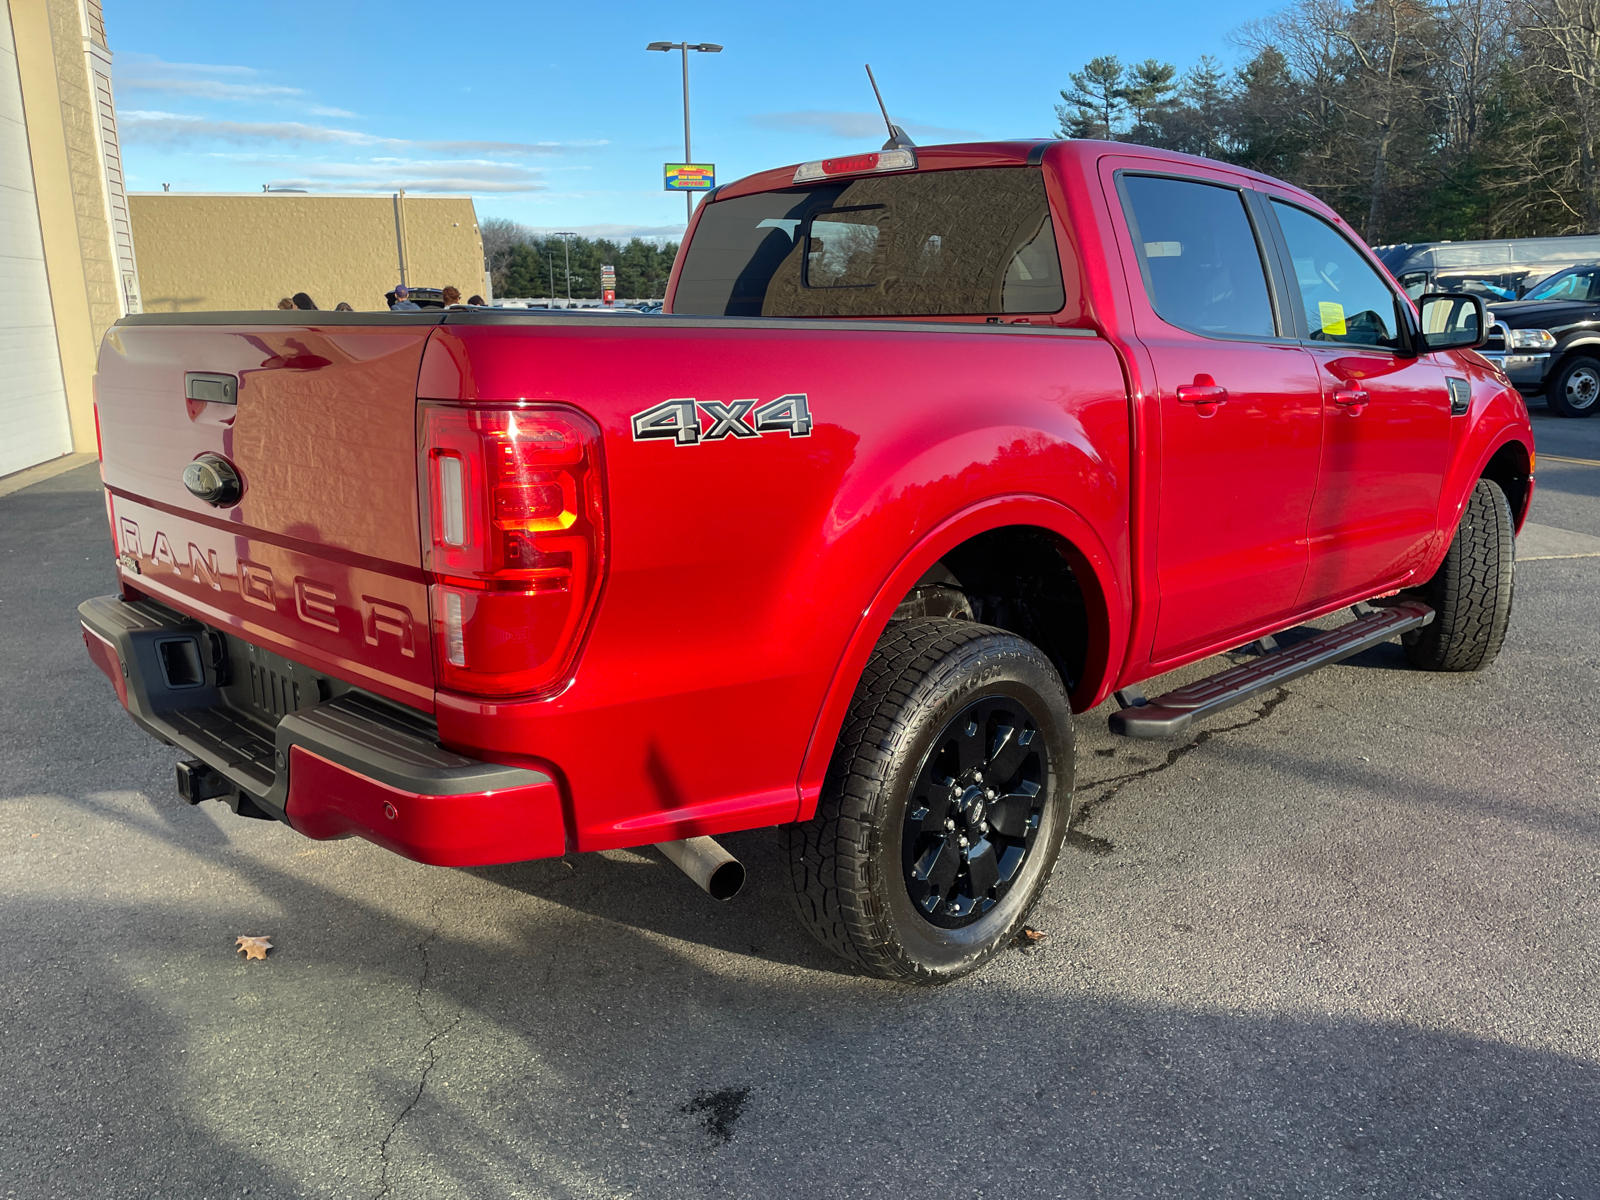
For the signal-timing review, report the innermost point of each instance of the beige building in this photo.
(68, 231)
(67, 267)
(200, 251)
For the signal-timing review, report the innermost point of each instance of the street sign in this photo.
(608, 286)
(690, 177)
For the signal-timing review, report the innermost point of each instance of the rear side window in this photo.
(1345, 300)
(935, 243)
(1198, 254)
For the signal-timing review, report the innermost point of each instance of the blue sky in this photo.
(555, 115)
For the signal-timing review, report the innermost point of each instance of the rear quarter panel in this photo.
(741, 569)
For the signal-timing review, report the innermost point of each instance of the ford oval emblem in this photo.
(213, 479)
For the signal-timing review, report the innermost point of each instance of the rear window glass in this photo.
(937, 243)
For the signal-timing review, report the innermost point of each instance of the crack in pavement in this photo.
(427, 1049)
(1085, 808)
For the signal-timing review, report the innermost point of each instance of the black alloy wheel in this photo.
(974, 812)
(945, 805)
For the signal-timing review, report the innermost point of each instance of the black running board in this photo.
(1172, 714)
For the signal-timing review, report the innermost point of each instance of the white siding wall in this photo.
(33, 402)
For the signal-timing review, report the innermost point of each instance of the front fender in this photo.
(1497, 419)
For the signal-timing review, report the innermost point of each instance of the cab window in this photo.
(1569, 285)
(1345, 300)
(930, 243)
(1199, 257)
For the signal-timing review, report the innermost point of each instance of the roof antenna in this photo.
(897, 136)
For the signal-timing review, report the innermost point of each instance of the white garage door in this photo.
(33, 404)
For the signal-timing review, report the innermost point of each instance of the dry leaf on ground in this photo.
(1029, 934)
(253, 947)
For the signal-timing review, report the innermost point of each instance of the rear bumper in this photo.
(352, 765)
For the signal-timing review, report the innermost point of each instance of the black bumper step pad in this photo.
(1170, 715)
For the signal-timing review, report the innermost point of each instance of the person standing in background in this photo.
(303, 301)
(403, 301)
(450, 295)
(286, 303)
(343, 306)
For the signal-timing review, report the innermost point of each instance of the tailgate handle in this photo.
(213, 389)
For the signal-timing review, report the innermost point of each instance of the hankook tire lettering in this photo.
(678, 421)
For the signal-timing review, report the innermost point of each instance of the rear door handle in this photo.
(1203, 393)
(1355, 399)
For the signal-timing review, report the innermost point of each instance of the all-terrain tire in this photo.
(928, 684)
(1574, 390)
(1471, 592)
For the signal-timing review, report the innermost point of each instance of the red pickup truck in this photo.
(933, 448)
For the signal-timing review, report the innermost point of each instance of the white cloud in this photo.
(613, 231)
(149, 62)
(208, 89)
(174, 128)
(855, 125)
(454, 175)
(165, 128)
(839, 124)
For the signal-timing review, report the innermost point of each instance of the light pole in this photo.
(566, 241)
(688, 155)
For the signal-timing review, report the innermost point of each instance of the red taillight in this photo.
(516, 526)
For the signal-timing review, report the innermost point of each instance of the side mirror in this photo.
(1452, 321)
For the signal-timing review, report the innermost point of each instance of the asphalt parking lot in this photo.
(1341, 943)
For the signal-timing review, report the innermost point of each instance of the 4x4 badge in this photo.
(678, 421)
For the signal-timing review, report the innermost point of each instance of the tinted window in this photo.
(932, 243)
(1345, 299)
(1572, 285)
(1202, 267)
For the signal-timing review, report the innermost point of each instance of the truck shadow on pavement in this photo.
(640, 888)
(555, 1054)
(603, 1029)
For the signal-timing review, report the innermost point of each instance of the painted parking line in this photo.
(1581, 462)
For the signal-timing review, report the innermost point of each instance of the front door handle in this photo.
(1354, 399)
(1204, 394)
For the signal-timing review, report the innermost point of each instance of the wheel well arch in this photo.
(1018, 578)
(1510, 468)
(1050, 529)
(1584, 348)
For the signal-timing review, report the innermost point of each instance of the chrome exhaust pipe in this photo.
(719, 873)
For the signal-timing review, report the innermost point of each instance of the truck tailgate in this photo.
(319, 559)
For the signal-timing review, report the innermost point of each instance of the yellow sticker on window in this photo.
(1332, 317)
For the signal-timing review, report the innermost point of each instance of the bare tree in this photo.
(1471, 49)
(1417, 119)
(500, 235)
(1563, 37)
